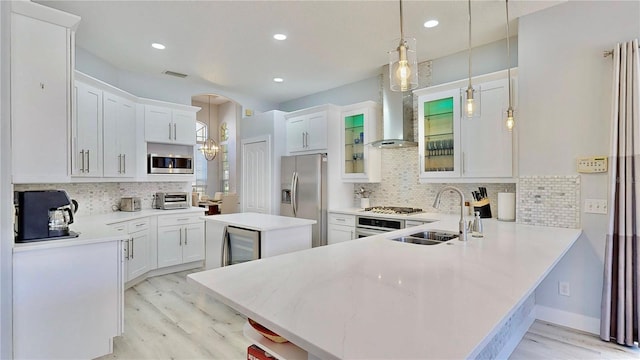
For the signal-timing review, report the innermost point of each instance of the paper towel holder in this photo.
(502, 199)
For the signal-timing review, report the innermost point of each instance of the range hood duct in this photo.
(397, 116)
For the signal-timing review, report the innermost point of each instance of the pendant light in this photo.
(403, 63)
(471, 96)
(510, 122)
(210, 147)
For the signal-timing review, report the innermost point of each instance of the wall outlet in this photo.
(563, 288)
(595, 206)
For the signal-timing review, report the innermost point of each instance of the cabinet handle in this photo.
(138, 225)
(186, 236)
(338, 219)
(170, 132)
(183, 219)
(126, 251)
(88, 165)
(303, 144)
(174, 131)
(306, 134)
(463, 163)
(124, 163)
(180, 243)
(132, 248)
(82, 155)
(120, 164)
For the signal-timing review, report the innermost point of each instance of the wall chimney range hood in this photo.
(397, 116)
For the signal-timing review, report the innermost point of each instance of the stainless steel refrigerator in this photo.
(304, 191)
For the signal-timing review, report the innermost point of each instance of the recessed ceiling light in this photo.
(431, 23)
(278, 80)
(280, 36)
(158, 46)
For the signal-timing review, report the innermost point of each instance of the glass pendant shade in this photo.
(471, 101)
(209, 149)
(403, 65)
(510, 119)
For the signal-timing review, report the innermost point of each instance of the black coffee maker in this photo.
(43, 215)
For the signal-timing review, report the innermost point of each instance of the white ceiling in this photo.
(230, 44)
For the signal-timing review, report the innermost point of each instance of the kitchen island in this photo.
(374, 298)
(278, 234)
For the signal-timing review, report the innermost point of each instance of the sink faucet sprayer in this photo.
(462, 224)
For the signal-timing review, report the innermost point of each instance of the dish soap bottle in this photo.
(476, 229)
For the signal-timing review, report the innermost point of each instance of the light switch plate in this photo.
(595, 206)
(590, 165)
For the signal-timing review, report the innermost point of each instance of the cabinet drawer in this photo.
(168, 220)
(120, 227)
(342, 219)
(138, 225)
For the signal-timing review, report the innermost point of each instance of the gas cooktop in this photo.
(393, 210)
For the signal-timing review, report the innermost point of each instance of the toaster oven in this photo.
(172, 200)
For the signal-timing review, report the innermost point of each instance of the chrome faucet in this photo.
(462, 225)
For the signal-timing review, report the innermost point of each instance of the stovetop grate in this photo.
(392, 210)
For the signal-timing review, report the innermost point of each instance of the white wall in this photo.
(565, 85)
(6, 217)
(486, 59)
(160, 86)
(367, 89)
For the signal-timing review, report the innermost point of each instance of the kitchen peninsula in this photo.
(376, 298)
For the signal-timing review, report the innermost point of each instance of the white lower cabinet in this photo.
(137, 248)
(180, 239)
(341, 228)
(67, 301)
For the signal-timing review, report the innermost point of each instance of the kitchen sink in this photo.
(429, 237)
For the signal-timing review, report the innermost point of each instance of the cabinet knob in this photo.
(42, 86)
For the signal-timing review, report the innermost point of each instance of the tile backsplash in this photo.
(102, 198)
(400, 186)
(549, 201)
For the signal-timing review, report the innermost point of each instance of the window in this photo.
(201, 163)
(224, 158)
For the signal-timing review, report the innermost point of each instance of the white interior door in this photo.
(256, 175)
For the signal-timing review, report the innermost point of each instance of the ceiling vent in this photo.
(176, 74)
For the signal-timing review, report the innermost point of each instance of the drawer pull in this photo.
(183, 219)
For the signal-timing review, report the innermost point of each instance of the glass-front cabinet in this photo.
(360, 161)
(439, 134)
(455, 148)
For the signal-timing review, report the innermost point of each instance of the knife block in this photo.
(484, 207)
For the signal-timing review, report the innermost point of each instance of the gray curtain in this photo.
(620, 294)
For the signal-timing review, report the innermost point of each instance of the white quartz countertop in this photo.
(373, 298)
(94, 228)
(259, 222)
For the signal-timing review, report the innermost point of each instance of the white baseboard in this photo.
(568, 319)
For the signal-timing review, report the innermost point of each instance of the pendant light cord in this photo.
(401, 24)
(508, 52)
(469, 3)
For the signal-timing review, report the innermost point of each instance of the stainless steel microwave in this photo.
(169, 164)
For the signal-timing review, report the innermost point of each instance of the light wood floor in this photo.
(166, 318)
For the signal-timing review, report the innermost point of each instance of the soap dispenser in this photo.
(476, 229)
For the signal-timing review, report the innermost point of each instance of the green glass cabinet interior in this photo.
(354, 144)
(439, 138)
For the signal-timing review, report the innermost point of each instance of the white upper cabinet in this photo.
(360, 161)
(119, 135)
(452, 146)
(488, 144)
(41, 89)
(169, 126)
(86, 144)
(306, 130)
